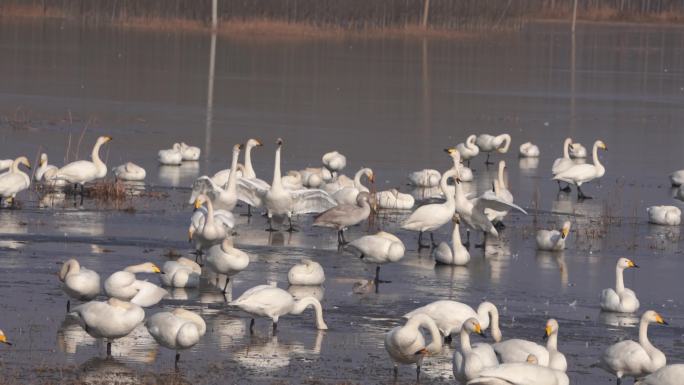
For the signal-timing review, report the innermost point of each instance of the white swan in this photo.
(465, 174)
(578, 151)
(342, 216)
(181, 273)
(222, 197)
(488, 143)
(111, 320)
(129, 171)
(664, 215)
(583, 173)
(450, 315)
(292, 180)
(334, 161)
(621, 299)
(629, 358)
(469, 361)
(347, 195)
(433, 216)
(529, 150)
(469, 149)
(273, 302)
(406, 344)
(189, 152)
(425, 178)
(307, 273)
(179, 329)
(676, 178)
(379, 248)
(517, 350)
(503, 193)
(280, 201)
(44, 169)
(456, 255)
(83, 171)
(526, 373)
(208, 226)
(14, 181)
(553, 240)
(123, 285)
(667, 375)
(564, 163)
(5, 164)
(225, 259)
(392, 199)
(171, 156)
(78, 282)
(315, 177)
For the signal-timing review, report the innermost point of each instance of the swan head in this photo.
(371, 176)
(625, 263)
(237, 148)
(43, 159)
(565, 230)
(254, 143)
(104, 139)
(200, 200)
(279, 142)
(3, 339)
(653, 317)
(472, 325)
(601, 145)
(23, 160)
(453, 153)
(188, 335)
(551, 327)
(396, 251)
(456, 219)
(147, 267)
(66, 268)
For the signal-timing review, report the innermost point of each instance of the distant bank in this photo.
(330, 18)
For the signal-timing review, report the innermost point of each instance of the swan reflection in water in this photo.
(554, 261)
(618, 319)
(528, 166)
(106, 371)
(266, 353)
(179, 176)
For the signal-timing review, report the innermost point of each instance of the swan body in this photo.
(125, 286)
(676, 178)
(225, 259)
(629, 358)
(664, 215)
(529, 150)
(489, 143)
(341, 181)
(171, 156)
(425, 178)
(246, 171)
(450, 316)
(224, 198)
(583, 173)
(620, 299)
(208, 226)
(394, 200)
(129, 171)
(379, 248)
(292, 181)
(553, 240)
(306, 273)
(347, 195)
(578, 151)
(667, 375)
(273, 302)
(457, 255)
(181, 273)
(189, 152)
(315, 177)
(465, 173)
(44, 170)
(406, 344)
(5, 164)
(520, 374)
(83, 171)
(334, 161)
(517, 350)
(342, 216)
(502, 192)
(468, 149)
(111, 319)
(469, 361)
(78, 282)
(179, 329)
(564, 163)
(15, 180)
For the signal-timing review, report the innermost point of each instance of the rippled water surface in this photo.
(391, 105)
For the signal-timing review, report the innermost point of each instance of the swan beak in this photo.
(450, 150)
(156, 270)
(660, 320)
(3, 340)
(279, 142)
(241, 146)
(108, 139)
(422, 351)
(547, 333)
(564, 233)
(632, 264)
(259, 142)
(571, 146)
(198, 204)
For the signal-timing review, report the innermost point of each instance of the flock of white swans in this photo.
(340, 202)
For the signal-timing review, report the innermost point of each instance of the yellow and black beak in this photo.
(156, 270)
(660, 320)
(547, 332)
(3, 340)
(241, 146)
(632, 264)
(279, 142)
(450, 150)
(564, 233)
(109, 138)
(198, 204)
(259, 142)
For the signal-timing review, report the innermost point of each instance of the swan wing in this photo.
(489, 200)
(149, 294)
(627, 356)
(252, 190)
(610, 300)
(311, 201)
(78, 171)
(517, 350)
(521, 374)
(579, 173)
(204, 185)
(224, 218)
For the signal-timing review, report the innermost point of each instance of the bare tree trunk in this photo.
(574, 16)
(426, 12)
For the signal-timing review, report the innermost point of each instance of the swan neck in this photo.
(501, 175)
(276, 170)
(643, 337)
(566, 148)
(249, 170)
(465, 341)
(597, 162)
(506, 141)
(232, 177)
(95, 155)
(302, 304)
(15, 165)
(552, 342)
(210, 212)
(424, 321)
(619, 280)
(444, 186)
(69, 267)
(471, 142)
(456, 236)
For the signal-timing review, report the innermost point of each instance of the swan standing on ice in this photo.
(225, 259)
(347, 195)
(181, 273)
(469, 149)
(273, 302)
(179, 329)
(425, 178)
(564, 163)
(111, 320)
(517, 350)
(450, 315)
(488, 143)
(306, 273)
(189, 152)
(125, 286)
(664, 215)
(379, 249)
(501, 191)
(553, 240)
(456, 255)
(171, 156)
(334, 162)
(129, 171)
(529, 150)
(15, 180)
(620, 299)
(78, 282)
(583, 173)
(667, 375)
(629, 358)
(469, 361)
(44, 170)
(406, 344)
(342, 216)
(84, 171)
(222, 197)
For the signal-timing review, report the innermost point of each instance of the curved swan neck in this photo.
(15, 165)
(69, 267)
(444, 186)
(597, 162)
(302, 304)
(276, 170)
(210, 213)
(232, 177)
(619, 280)
(95, 155)
(424, 321)
(507, 142)
(566, 148)
(249, 170)
(470, 142)
(357, 177)
(643, 336)
(465, 341)
(552, 342)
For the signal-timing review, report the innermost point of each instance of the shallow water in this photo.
(391, 105)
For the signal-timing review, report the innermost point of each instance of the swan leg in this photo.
(291, 229)
(275, 327)
(396, 371)
(619, 380)
(270, 224)
(487, 161)
(432, 239)
(483, 244)
(580, 194)
(340, 237)
(377, 277)
(418, 373)
(420, 242)
(498, 225)
(447, 339)
(226, 285)
(251, 326)
(249, 211)
(68, 305)
(177, 359)
(467, 243)
(109, 349)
